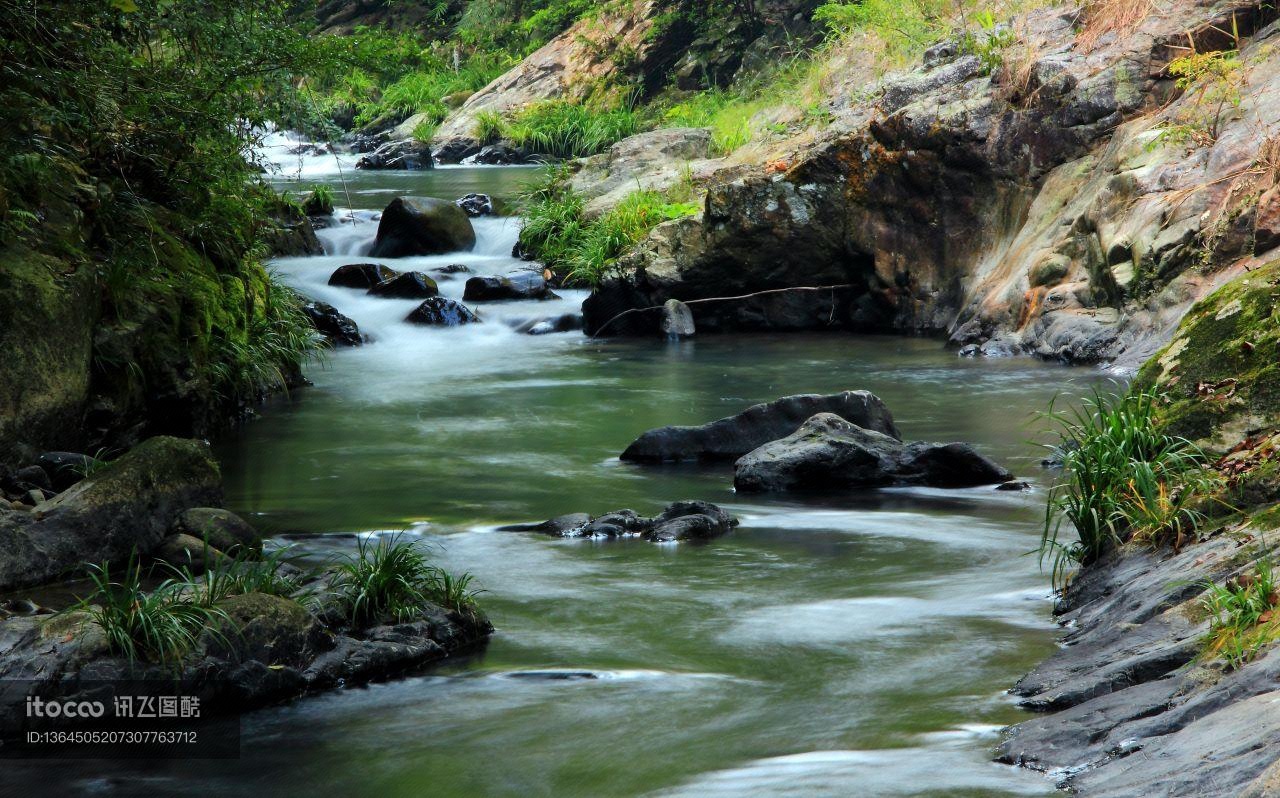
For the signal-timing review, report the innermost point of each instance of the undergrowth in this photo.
(1242, 614)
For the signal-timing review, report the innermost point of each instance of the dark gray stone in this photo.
(441, 312)
(519, 285)
(422, 226)
(731, 437)
(829, 453)
(361, 275)
(407, 285)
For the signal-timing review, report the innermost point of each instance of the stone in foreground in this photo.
(684, 520)
(422, 226)
(829, 453)
(732, 437)
(520, 285)
(340, 330)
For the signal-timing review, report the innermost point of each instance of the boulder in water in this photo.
(829, 453)
(406, 285)
(518, 285)
(340, 330)
(677, 319)
(442, 312)
(731, 437)
(222, 529)
(422, 226)
(447, 272)
(401, 154)
(361, 275)
(476, 204)
(496, 155)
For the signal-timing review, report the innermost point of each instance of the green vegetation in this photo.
(565, 129)
(319, 202)
(245, 572)
(124, 130)
(394, 579)
(1123, 479)
(586, 250)
(160, 625)
(1213, 83)
(1242, 614)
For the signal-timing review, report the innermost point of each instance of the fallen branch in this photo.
(602, 327)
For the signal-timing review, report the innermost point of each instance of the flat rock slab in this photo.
(731, 437)
(685, 520)
(828, 453)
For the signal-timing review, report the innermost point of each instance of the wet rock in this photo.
(519, 285)
(1014, 485)
(422, 226)
(684, 520)
(829, 453)
(340, 330)
(401, 154)
(125, 507)
(65, 468)
(496, 155)
(185, 551)
(32, 477)
(475, 205)
(223, 529)
(677, 319)
(566, 322)
(731, 437)
(288, 233)
(452, 268)
(455, 150)
(442, 312)
(406, 285)
(361, 275)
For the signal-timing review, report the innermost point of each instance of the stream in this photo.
(854, 645)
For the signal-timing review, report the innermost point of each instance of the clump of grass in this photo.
(394, 579)
(1122, 477)
(245, 572)
(1243, 615)
(161, 625)
(587, 250)
(319, 202)
(490, 127)
(1102, 17)
(564, 129)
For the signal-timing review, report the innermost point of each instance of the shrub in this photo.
(564, 129)
(161, 625)
(1243, 615)
(1121, 477)
(1213, 82)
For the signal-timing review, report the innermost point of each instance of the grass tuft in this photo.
(394, 579)
(1122, 478)
(1243, 615)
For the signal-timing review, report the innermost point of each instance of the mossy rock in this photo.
(221, 529)
(270, 629)
(1220, 374)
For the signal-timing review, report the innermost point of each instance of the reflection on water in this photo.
(854, 645)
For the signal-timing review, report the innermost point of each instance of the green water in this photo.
(855, 645)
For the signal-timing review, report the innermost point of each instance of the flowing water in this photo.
(854, 645)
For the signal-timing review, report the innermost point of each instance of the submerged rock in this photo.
(442, 312)
(518, 285)
(407, 285)
(684, 520)
(361, 275)
(422, 226)
(340, 330)
(829, 453)
(731, 437)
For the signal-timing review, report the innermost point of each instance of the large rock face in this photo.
(1030, 218)
(422, 226)
(128, 506)
(828, 453)
(731, 437)
(651, 161)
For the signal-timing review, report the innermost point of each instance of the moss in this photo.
(1230, 335)
(49, 308)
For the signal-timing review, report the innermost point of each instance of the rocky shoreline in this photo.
(1131, 709)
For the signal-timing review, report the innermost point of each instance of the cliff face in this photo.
(1031, 209)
